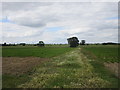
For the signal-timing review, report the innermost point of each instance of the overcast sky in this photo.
(55, 22)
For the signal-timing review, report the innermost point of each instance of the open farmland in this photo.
(58, 67)
(103, 57)
(18, 61)
(60, 44)
(105, 53)
(19, 51)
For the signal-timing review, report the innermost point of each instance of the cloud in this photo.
(34, 21)
(12, 30)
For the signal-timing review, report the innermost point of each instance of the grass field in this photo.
(81, 67)
(33, 51)
(105, 53)
(104, 59)
(71, 70)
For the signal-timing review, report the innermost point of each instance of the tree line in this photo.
(72, 41)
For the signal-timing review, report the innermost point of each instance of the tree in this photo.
(41, 43)
(23, 44)
(82, 42)
(4, 44)
(74, 42)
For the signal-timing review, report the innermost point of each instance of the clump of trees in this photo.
(5, 44)
(82, 42)
(41, 43)
(109, 43)
(23, 44)
(73, 41)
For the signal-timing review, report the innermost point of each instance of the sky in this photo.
(54, 22)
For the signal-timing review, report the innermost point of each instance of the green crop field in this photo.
(105, 59)
(63, 67)
(33, 51)
(105, 53)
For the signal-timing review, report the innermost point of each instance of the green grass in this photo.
(12, 81)
(105, 74)
(66, 70)
(105, 53)
(71, 70)
(98, 54)
(43, 52)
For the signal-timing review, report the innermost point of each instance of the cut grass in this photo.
(18, 65)
(16, 71)
(61, 72)
(45, 52)
(11, 80)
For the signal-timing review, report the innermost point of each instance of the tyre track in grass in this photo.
(71, 70)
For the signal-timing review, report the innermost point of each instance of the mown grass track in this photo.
(72, 70)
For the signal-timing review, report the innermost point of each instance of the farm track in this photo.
(71, 70)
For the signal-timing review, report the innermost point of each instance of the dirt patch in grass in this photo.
(113, 67)
(18, 65)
